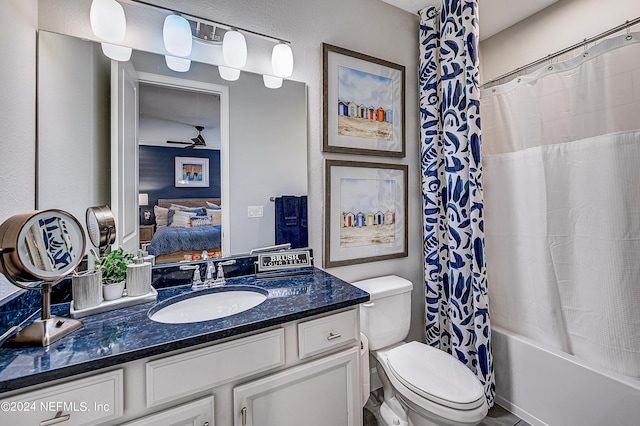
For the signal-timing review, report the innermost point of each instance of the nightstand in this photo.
(146, 233)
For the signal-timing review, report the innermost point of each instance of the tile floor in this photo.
(497, 415)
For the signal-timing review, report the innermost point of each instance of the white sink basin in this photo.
(207, 305)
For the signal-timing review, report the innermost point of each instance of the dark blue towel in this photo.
(291, 221)
(290, 206)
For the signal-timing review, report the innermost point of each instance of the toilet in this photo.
(422, 385)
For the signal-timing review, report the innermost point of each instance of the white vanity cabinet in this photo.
(196, 413)
(320, 393)
(87, 401)
(303, 372)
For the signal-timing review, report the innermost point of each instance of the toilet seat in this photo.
(435, 376)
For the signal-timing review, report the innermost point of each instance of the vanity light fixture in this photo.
(115, 52)
(176, 34)
(109, 23)
(178, 64)
(282, 60)
(272, 82)
(229, 74)
(234, 49)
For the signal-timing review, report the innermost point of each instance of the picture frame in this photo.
(363, 104)
(192, 172)
(365, 212)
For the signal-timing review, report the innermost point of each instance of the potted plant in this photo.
(114, 272)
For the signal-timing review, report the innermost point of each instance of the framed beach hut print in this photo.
(192, 172)
(365, 212)
(363, 104)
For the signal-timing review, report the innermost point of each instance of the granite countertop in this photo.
(127, 334)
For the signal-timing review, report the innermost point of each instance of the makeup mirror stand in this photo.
(47, 329)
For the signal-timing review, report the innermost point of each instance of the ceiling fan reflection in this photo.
(196, 141)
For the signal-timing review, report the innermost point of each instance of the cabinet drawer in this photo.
(199, 412)
(187, 373)
(326, 333)
(87, 401)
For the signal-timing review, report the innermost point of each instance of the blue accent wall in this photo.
(157, 173)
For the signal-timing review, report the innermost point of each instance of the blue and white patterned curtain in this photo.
(457, 305)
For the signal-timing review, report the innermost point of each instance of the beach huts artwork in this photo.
(365, 212)
(368, 212)
(365, 104)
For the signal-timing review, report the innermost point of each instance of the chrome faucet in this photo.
(220, 279)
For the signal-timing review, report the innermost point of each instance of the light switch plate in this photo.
(255, 211)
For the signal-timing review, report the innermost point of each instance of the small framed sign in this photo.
(286, 260)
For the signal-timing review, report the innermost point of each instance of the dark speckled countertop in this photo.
(127, 334)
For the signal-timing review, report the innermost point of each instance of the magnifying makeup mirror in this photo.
(45, 246)
(101, 227)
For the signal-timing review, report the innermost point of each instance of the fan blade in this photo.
(181, 143)
(199, 140)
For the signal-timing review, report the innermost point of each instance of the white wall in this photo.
(17, 106)
(367, 26)
(17, 111)
(557, 27)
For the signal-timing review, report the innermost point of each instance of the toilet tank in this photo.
(386, 318)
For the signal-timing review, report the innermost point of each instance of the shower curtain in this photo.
(457, 315)
(561, 156)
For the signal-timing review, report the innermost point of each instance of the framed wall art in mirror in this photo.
(363, 104)
(192, 171)
(366, 212)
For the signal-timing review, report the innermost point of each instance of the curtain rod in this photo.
(550, 56)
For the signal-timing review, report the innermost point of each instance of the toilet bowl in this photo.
(422, 385)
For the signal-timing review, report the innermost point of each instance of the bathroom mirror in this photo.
(267, 143)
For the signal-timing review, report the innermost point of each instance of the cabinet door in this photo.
(319, 393)
(196, 413)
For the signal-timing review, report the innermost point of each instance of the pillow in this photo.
(162, 216)
(201, 221)
(172, 212)
(216, 215)
(182, 219)
(212, 205)
(178, 207)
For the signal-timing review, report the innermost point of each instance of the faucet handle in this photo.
(196, 273)
(221, 266)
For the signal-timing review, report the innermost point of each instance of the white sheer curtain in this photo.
(561, 155)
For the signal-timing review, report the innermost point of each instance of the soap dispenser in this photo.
(146, 256)
(138, 276)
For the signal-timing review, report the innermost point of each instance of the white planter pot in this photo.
(113, 291)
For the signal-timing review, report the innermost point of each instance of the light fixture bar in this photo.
(208, 21)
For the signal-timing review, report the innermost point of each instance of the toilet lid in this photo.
(435, 375)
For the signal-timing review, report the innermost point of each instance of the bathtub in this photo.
(546, 387)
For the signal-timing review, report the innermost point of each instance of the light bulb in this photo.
(282, 60)
(178, 64)
(229, 74)
(115, 52)
(272, 82)
(176, 34)
(234, 49)
(107, 20)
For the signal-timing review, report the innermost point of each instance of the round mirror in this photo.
(101, 227)
(41, 245)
